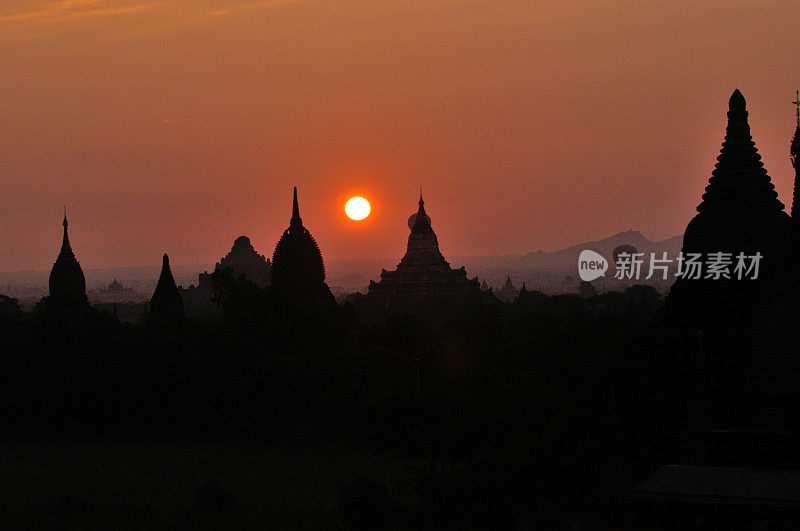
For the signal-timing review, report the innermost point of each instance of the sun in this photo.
(357, 208)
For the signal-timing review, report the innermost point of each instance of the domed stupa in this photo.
(67, 283)
(298, 272)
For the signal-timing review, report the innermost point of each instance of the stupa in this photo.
(423, 276)
(740, 213)
(166, 304)
(509, 292)
(67, 283)
(298, 272)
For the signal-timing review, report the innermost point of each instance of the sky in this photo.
(178, 125)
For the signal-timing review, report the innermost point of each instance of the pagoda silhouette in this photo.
(740, 213)
(166, 306)
(423, 277)
(794, 154)
(244, 260)
(743, 373)
(67, 282)
(298, 271)
(509, 292)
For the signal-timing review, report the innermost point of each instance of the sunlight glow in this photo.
(357, 208)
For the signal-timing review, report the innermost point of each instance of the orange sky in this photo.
(177, 125)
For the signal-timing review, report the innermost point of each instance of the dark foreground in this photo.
(179, 485)
(546, 413)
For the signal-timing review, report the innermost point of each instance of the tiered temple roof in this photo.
(244, 260)
(423, 273)
(740, 212)
(739, 182)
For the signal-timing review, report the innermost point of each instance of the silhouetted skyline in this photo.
(291, 367)
(606, 407)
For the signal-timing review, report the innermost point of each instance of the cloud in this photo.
(247, 5)
(61, 10)
(71, 9)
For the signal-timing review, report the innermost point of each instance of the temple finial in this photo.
(165, 260)
(737, 102)
(296, 219)
(797, 105)
(737, 115)
(421, 201)
(65, 247)
(794, 153)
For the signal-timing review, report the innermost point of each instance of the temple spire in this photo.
(797, 105)
(420, 222)
(165, 279)
(166, 303)
(739, 182)
(794, 151)
(296, 219)
(67, 283)
(65, 247)
(298, 272)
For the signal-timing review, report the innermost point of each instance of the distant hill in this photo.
(557, 271)
(550, 272)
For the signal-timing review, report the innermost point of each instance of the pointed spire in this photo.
(737, 105)
(296, 219)
(739, 182)
(794, 151)
(66, 249)
(166, 303)
(67, 283)
(420, 222)
(523, 293)
(298, 271)
(165, 280)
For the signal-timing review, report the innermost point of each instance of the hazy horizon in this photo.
(177, 126)
(390, 260)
